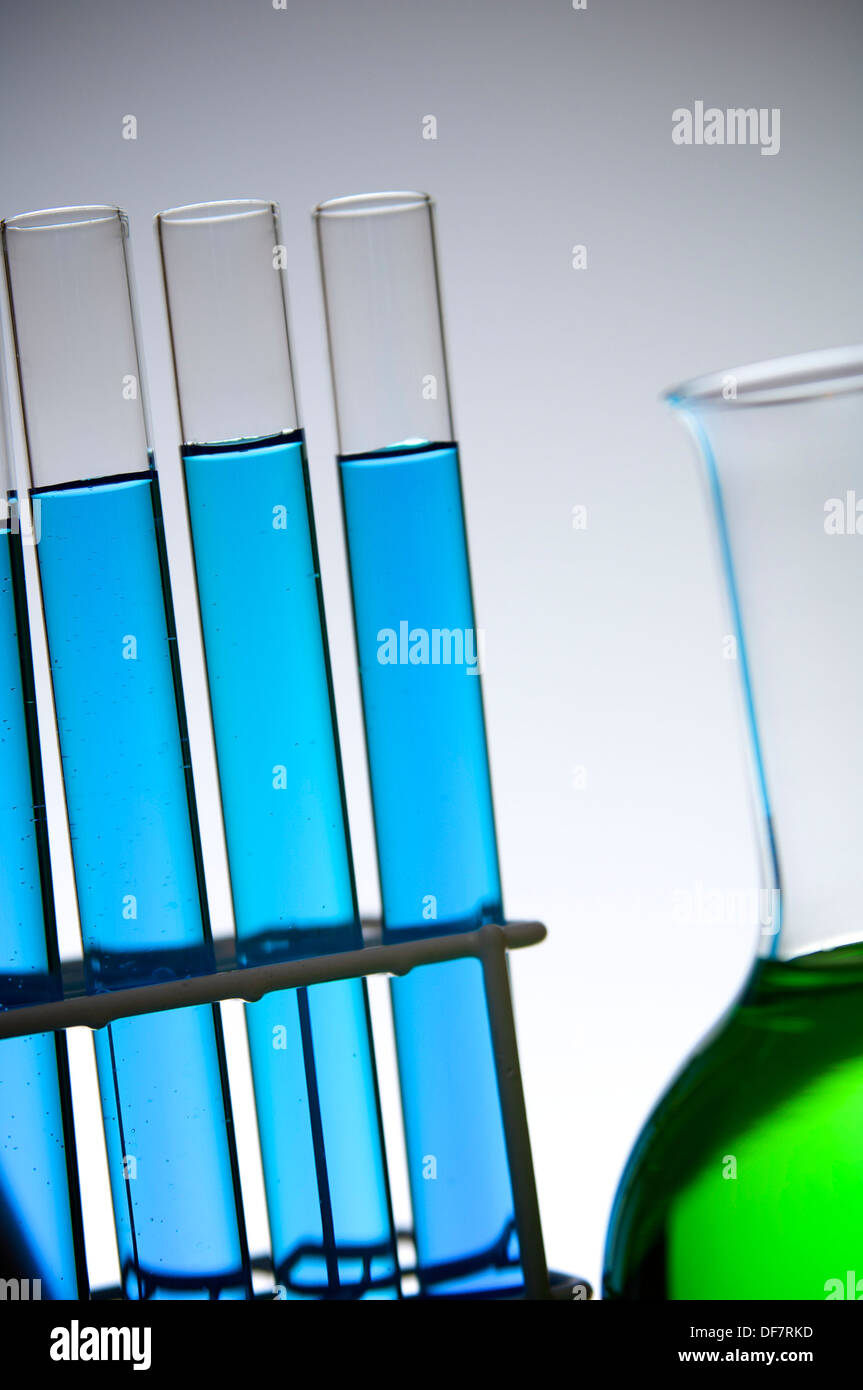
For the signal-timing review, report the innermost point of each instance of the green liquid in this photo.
(747, 1180)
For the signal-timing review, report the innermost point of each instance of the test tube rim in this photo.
(218, 210)
(83, 215)
(390, 202)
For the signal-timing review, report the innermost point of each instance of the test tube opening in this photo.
(382, 301)
(223, 267)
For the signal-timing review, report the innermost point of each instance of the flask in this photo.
(745, 1182)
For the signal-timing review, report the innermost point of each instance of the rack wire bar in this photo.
(488, 944)
(251, 983)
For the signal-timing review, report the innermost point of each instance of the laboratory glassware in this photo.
(420, 657)
(41, 1232)
(280, 777)
(744, 1183)
(123, 742)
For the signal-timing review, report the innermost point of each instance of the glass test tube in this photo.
(419, 659)
(41, 1234)
(276, 744)
(121, 724)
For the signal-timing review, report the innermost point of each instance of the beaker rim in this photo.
(804, 376)
(54, 219)
(373, 204)
(221, 210)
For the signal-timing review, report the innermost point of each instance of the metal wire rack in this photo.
(489, 944)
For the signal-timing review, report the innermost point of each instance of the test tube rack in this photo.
(488, 944)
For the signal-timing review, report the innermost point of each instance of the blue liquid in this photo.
(137, 870)
(289, 858)
(436, 846)
(40, 1223)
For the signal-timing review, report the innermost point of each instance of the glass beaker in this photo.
(745, 1180)
(280, 778)
(41, 1232)
(420, 657)
(122, 730)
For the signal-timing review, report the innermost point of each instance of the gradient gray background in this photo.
(603, 645)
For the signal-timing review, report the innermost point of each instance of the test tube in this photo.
(41, 1233)
(122, 731)
(420, 657)
(276, 743)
